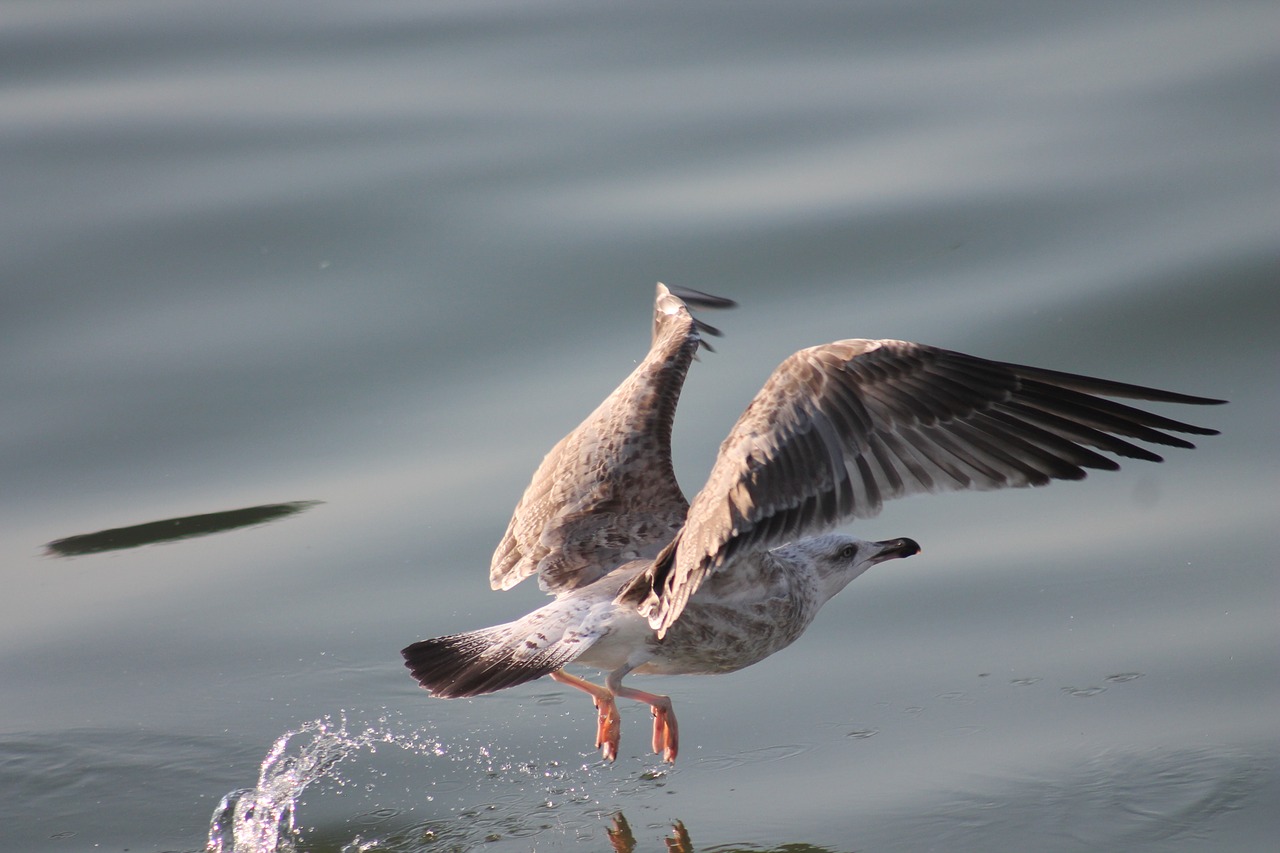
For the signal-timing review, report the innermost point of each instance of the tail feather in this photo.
(484, 661)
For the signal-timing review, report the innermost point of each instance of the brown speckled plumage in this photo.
(606, 493)
(648, 583)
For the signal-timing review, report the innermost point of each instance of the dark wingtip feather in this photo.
(708, 328)
(1110, 388)
(699, 299)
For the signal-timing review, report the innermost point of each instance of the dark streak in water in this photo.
(172, 529)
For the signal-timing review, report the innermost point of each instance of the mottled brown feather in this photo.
(840, 428)
(606, 493)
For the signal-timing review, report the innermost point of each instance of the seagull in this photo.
(646, 582)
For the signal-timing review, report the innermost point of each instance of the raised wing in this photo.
(840, 428)
(606, 493)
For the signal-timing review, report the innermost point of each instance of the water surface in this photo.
(380, 256)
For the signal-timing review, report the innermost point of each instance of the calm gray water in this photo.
(382, 255)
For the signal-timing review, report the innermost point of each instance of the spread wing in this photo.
(606, 493)
(840, 428)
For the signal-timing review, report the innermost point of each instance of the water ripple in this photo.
(1083, 692)
(1122, 677)
(755, 756)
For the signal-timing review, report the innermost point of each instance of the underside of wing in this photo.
(840, 428)
(607, 493)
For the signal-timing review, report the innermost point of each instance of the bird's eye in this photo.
(848, 552)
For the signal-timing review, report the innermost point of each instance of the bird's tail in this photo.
(492, 658)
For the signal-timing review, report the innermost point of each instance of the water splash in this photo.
(473, 794)
(261, 819)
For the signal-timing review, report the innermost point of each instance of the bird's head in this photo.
(839, 558)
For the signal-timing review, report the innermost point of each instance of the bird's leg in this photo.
(609, 723)
(666, 735)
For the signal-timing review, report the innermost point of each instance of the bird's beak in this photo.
(892, 549)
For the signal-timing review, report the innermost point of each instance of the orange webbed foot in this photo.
(666, 734)
(608, 729)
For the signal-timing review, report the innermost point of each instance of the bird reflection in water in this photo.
(623, 840)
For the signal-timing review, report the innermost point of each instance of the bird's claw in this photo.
(608, 730)
(666, 734)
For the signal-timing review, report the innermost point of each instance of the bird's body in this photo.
(648, 583)
(739, 618)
